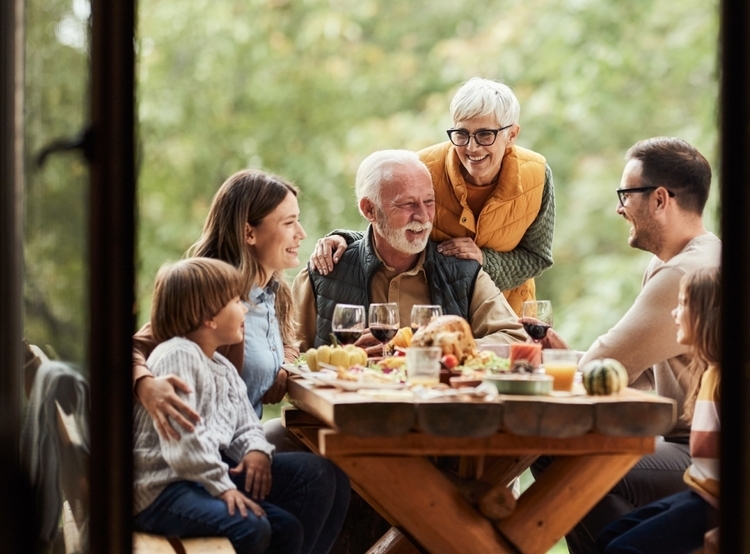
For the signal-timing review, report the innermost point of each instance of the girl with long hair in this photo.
(678, 523)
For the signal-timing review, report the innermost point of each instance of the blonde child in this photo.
(221, 479)
(677, 523)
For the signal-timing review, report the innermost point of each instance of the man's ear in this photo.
(368, 209)
(661, 199)
(249, 234)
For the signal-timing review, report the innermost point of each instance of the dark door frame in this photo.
(112, 272)
(735, 233)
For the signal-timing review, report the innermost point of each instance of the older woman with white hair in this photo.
(495, 200)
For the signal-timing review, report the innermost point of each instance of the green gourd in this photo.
(604, 376)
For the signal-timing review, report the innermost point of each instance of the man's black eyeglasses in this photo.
(483, 137)
(622, 194)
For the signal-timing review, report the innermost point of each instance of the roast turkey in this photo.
(452, 333)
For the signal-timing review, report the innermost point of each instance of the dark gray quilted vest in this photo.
(450, 279)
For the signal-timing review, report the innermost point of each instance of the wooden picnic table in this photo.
(387, 447)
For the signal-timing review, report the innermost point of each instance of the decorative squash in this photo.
(605, 376)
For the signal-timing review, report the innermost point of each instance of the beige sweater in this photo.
(645, 339)
(228, 425)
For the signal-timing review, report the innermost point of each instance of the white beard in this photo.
(397, 237)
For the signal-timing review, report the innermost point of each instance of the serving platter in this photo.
(515, 383)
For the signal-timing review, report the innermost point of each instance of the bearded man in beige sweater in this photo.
(663, 191)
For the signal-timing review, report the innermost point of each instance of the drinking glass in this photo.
(348, 323)
(562, 366)
(383, 321)
(541, 310)
(423, 365)
(422, 314)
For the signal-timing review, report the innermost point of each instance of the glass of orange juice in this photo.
(562, 366)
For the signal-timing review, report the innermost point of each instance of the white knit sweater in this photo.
(228, 424)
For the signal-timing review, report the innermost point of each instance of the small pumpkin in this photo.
(604, 376)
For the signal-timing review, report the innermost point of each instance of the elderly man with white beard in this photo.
(396, 262)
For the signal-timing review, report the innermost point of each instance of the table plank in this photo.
(548, 417)
(332, 443)
(350, 413)
(629, 413)
(635, 413)
(459, 419)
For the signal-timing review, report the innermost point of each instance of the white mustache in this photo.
(416, 227)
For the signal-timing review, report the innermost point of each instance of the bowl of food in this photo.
(520, 383)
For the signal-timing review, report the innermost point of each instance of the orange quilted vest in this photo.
(506, 215)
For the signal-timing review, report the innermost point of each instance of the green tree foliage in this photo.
(308, 89)
(55, 299)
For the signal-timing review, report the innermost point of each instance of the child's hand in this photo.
(257, 468)
(235, 499)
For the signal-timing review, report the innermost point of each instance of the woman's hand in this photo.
(327, 253)
(159, 396)
(276, 393)
(464, 248)
(235, 499)
(257, 468)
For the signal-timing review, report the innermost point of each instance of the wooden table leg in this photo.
(560, 497)
(424, 503)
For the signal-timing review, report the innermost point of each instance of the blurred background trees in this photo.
(308, 89)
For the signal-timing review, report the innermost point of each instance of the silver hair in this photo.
(378, 169)
(478, 97)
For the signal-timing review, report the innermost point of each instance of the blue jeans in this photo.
(305, 510)
(675, 524)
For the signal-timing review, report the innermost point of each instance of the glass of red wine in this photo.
(383, 321)
(541, 310)
(348, 323)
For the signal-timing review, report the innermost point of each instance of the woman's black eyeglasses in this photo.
(483, 137)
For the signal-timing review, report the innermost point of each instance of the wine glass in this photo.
(383, 320)
(422, 314)
(541, 310)
(348, 323)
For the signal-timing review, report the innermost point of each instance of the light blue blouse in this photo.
(264, 349)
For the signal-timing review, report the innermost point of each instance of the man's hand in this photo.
(372, 345)
(235, 499)
(276, 393)
(158, 395)
(327, 253)
(257, 468)
(464, 248)
(551, 339)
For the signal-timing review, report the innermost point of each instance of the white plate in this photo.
(327, 377)
(359, 385)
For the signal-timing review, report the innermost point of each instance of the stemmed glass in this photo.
(541, 310)
(383, 320)
(348, 323)
(422, 314)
